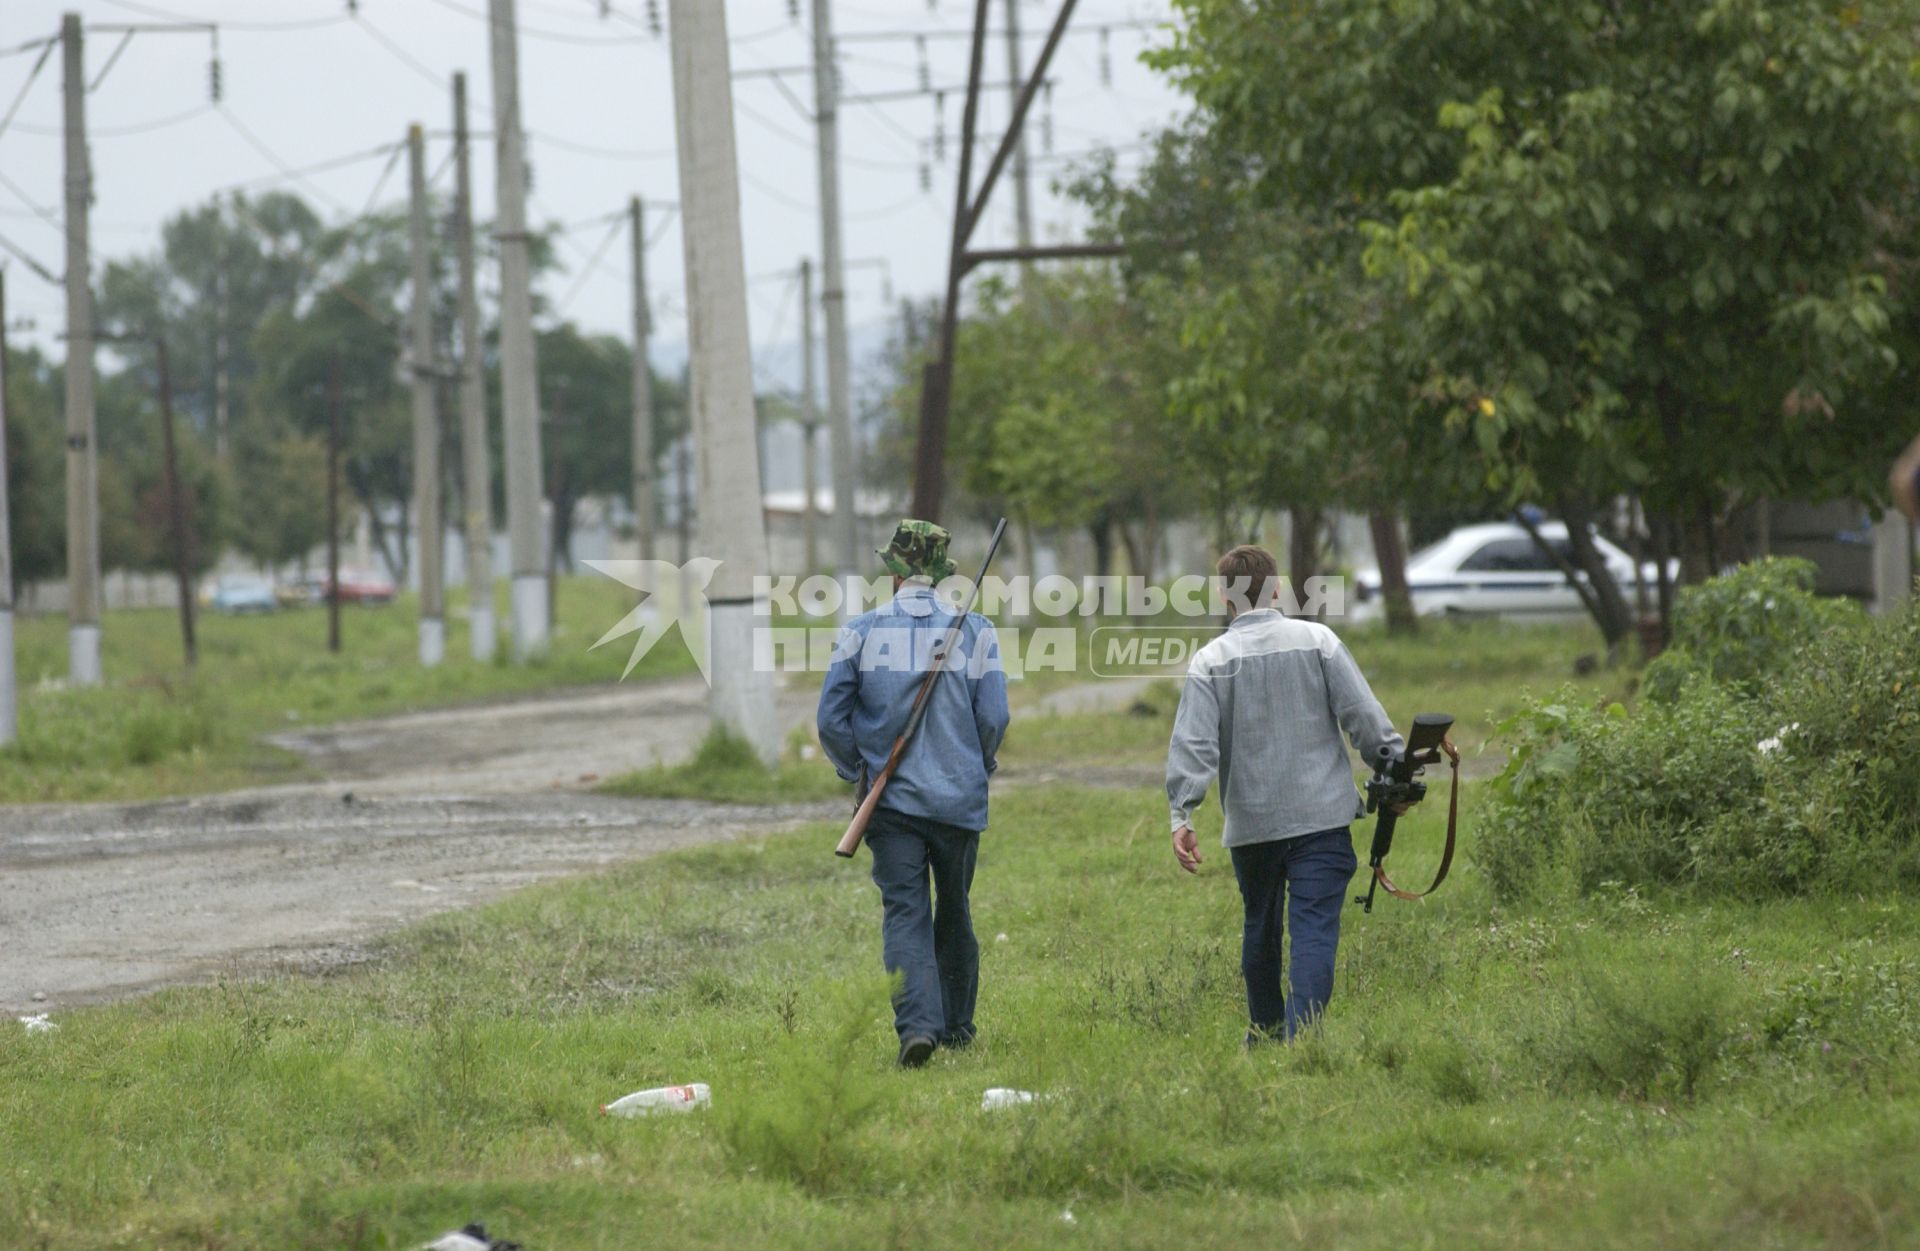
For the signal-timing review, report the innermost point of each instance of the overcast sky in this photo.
(311, 83)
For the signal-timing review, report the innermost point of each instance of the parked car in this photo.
(1494, 569)
(361, 586)
(302, 592)
(242, 593)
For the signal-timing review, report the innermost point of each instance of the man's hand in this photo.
(1453, 753)
(1186, 849)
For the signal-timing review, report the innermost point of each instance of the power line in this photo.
(28, 259)
(310, 23)
(593, 263)
(258, 145)
(317, 167)
(555, 36)
(32, 74)
(116, 132)
(401, 54)
(588, 149)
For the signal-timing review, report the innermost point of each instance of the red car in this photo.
(360, 586)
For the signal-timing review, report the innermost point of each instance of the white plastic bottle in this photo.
(1001, 1097)
(661, 1099)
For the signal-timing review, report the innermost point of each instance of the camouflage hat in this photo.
(919, 548)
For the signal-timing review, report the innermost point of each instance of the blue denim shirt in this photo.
(878, 663)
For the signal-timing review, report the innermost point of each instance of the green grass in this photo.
(149, 730)
(725, 768)
(1616, 1072)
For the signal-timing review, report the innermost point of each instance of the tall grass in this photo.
(1629, 1071)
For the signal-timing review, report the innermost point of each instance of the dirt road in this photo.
(412, 815)
(415, 815)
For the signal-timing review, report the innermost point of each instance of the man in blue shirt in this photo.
(929, 819)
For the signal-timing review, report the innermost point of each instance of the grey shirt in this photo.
(1263, 706)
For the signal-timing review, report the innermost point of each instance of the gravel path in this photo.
(416, 814)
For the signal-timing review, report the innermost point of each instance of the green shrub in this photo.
(1647, 1033)
(807, 1124)
(1795, 778)
(1740, 628)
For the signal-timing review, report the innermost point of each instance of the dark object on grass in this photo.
(1396, 781)
(1586, 664)
(915, 1052)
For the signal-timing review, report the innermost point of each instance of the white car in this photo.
(1492, 570)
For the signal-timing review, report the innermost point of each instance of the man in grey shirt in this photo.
(1263, 708)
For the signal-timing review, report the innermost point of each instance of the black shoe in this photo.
(915, 1052)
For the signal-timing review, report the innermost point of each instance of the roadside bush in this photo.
(1738, 629)
(1793, 777)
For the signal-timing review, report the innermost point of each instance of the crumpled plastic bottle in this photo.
(661, 1099)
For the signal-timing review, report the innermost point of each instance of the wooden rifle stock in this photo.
(857, 828)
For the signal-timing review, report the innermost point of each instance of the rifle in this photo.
(857, 828)
(1396, 780)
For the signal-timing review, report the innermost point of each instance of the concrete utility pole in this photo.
(476, 480)
(9, 717)
(519, 394)
(1022, 188)
(733, 526)
(427, 530)
(809, 422)
(645, 519)
(83, 490)
(833, 296)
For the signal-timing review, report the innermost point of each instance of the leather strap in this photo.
(1446, 856)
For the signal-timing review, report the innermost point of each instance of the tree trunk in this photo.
(1303, 550)
(1390, 553)
(1102, 531)
(1696, 544)
(1613, 615)
(1586, 571)
(1663, 554)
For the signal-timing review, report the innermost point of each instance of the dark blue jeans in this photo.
(927, 928)
(1303, 882)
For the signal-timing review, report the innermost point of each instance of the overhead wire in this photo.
(554, 36)
(19, 99)
(587, 271)
(259, 145)
(308, 23)
(401, 54)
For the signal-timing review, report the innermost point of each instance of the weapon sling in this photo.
(1446, 855)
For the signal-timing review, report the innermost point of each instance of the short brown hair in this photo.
(1248, 574)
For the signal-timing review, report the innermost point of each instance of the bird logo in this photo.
(661, 608)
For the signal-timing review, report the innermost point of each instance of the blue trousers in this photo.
(1303, 882)
(927, 927)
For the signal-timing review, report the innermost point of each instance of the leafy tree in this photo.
(1650, 248)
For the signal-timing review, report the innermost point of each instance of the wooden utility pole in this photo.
(176, 506)
(645, 518)
(83, 485)
(732, 512)
(476, 482)
(428, 533)
(936, 380)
